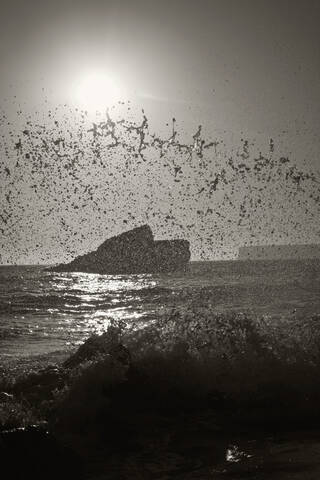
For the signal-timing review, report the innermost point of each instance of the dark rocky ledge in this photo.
(132, 252)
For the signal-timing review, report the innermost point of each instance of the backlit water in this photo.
(42, 311)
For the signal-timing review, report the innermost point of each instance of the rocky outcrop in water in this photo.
(132, 252)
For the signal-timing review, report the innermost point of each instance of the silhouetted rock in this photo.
(172, 255)
(132, 252)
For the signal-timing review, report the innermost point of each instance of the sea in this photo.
(43, 311)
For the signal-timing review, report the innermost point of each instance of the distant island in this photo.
(132, 252)
(279, 252)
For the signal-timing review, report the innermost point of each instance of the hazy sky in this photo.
(240, 68)
(251, 64)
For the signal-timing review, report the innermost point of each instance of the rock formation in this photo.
(172, 255)
(132, 252)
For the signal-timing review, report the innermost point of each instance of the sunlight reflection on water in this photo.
(41, 310)
(94, 283)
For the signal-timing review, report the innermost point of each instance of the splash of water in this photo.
(68, 183)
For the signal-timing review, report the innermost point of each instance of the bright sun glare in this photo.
(97, 91)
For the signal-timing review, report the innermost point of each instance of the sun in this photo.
(96, 91)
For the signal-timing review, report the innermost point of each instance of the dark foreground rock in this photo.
(34, 453)
(132, 252)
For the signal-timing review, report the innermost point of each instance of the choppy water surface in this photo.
(42, 311)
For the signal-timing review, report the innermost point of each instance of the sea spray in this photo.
(89, 180)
